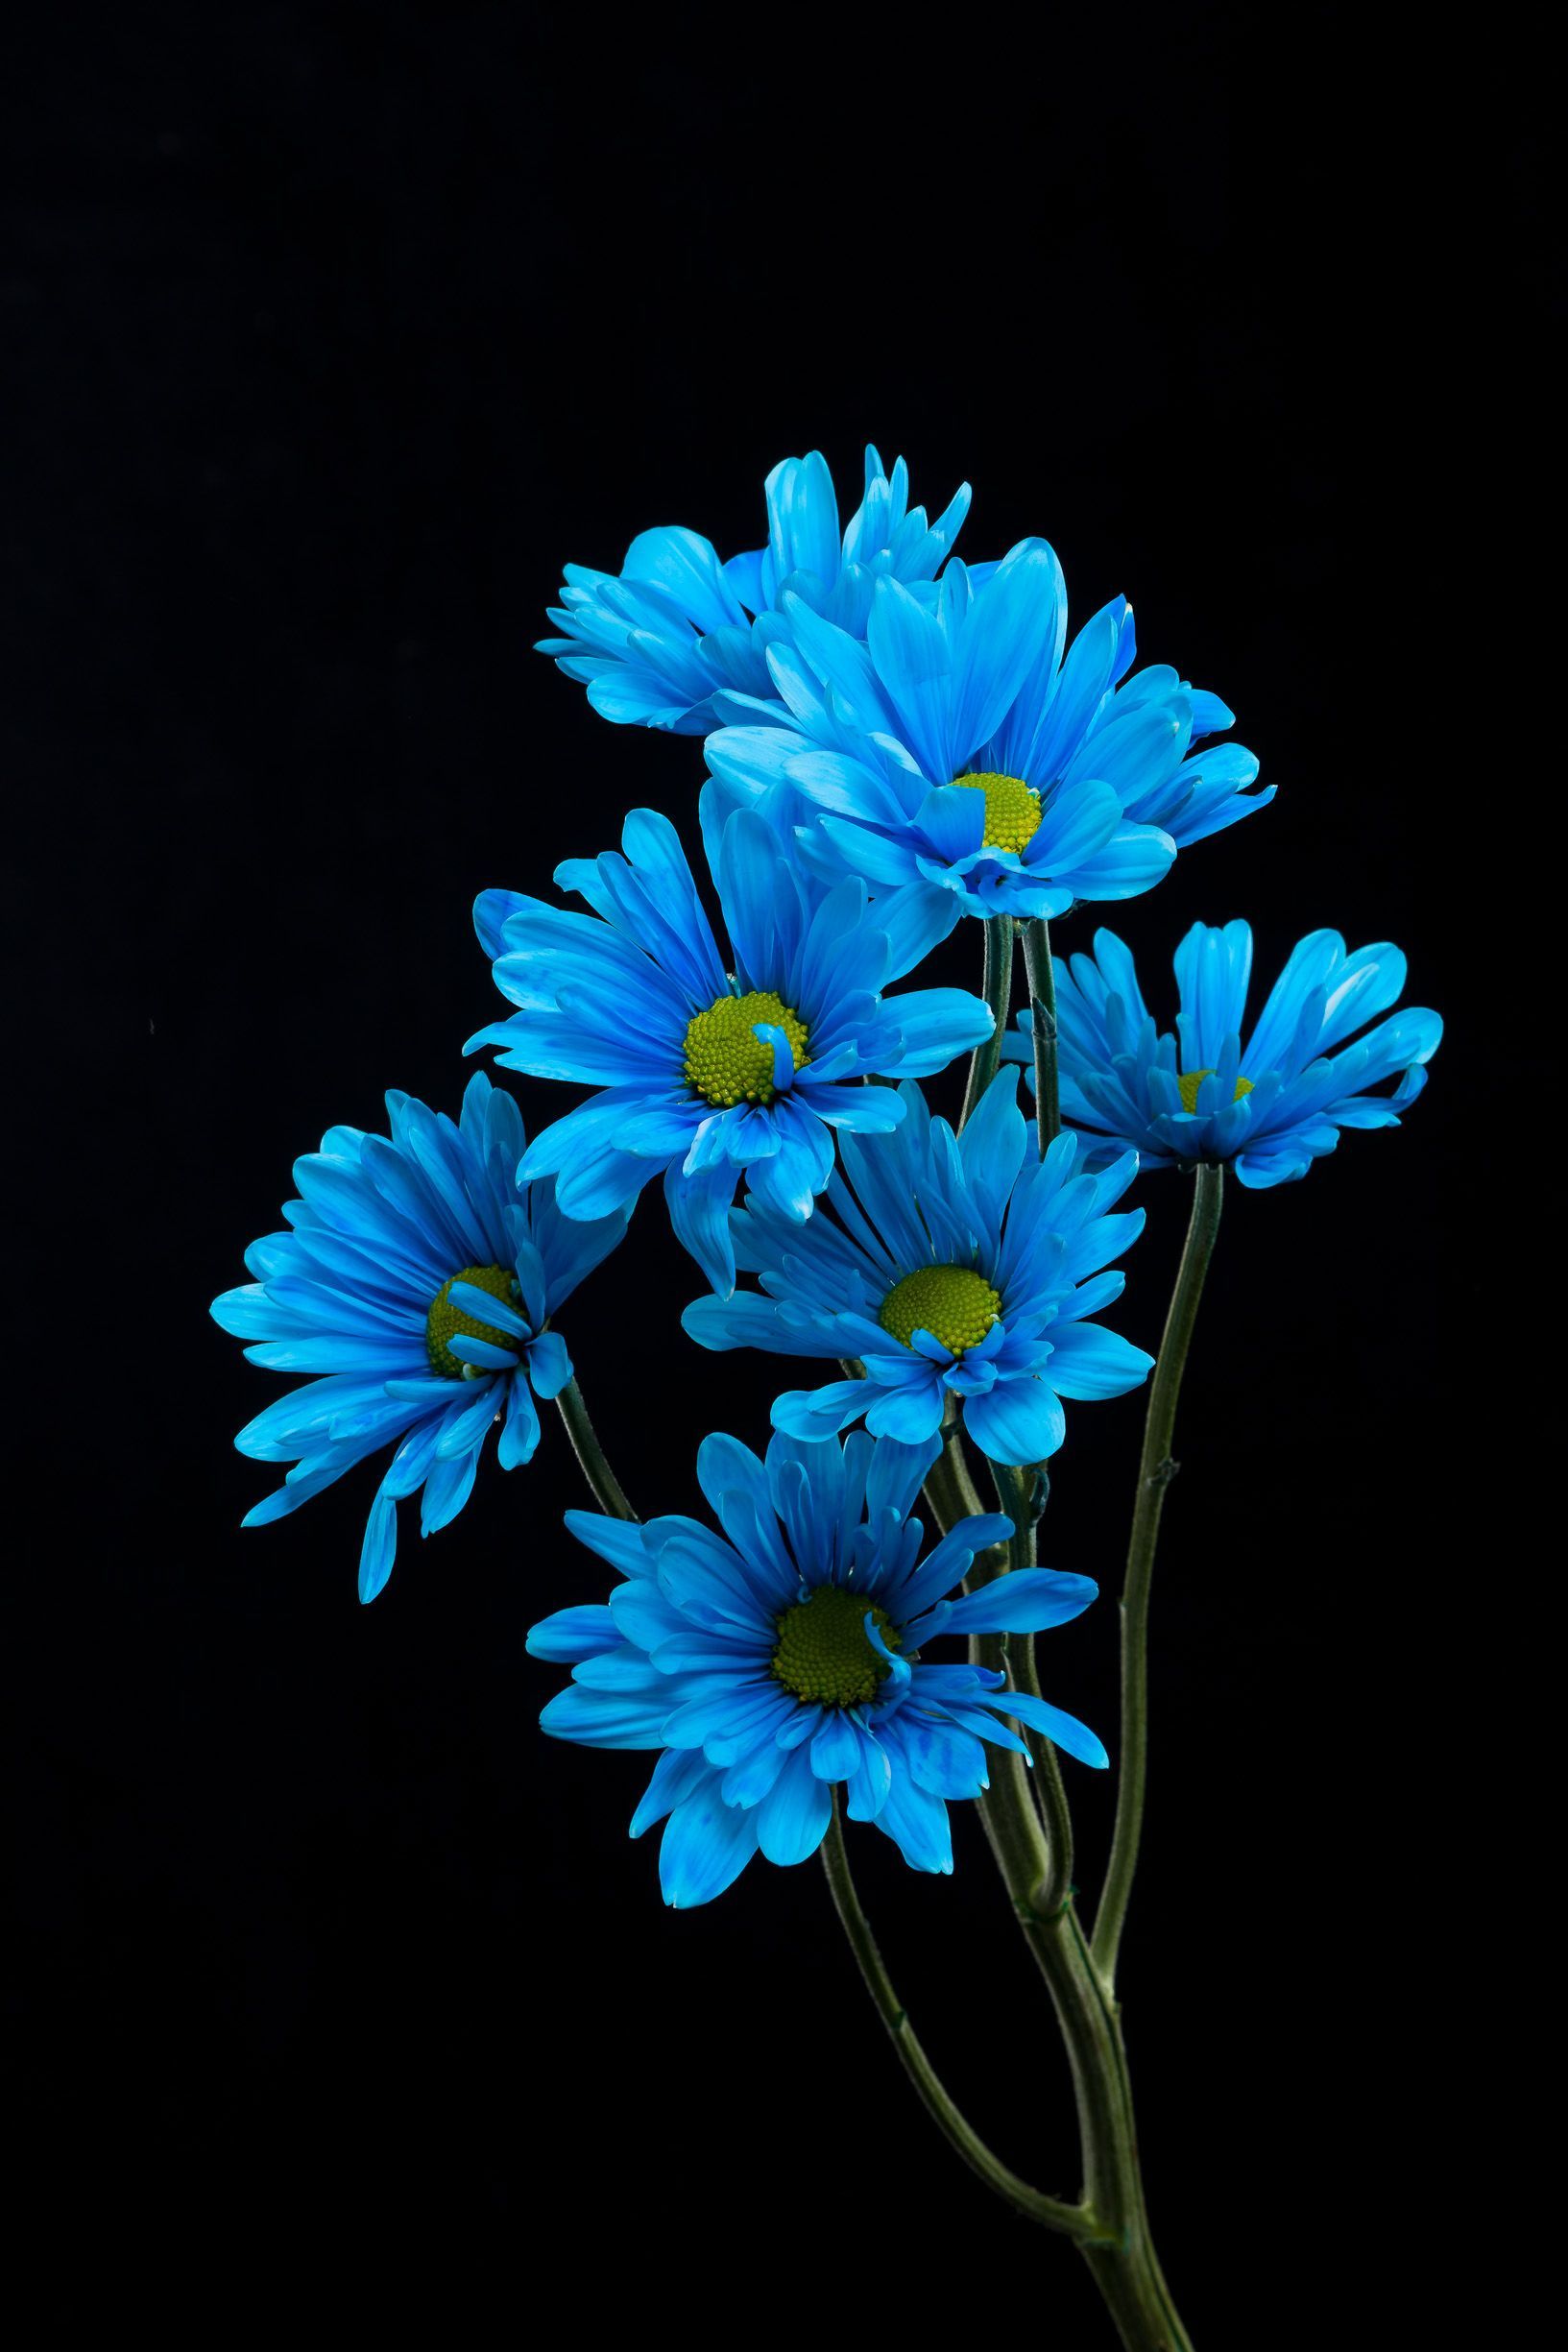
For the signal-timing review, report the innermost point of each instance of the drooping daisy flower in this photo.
(418, 1282)
(956, 744)
(788, 1656)
(710, 1069)
(1267, 1105)
(657, 642)
(952, 1265)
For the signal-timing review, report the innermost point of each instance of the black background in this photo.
(332, 333)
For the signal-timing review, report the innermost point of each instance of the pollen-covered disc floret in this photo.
(824, 1654)
(954, 1303)
(726, 1061)
(1012, 809)
(445, 1320)
(1192, 1080)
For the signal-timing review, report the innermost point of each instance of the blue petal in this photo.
(706, 1846)
(917, 1822)
(677, 1774)
(1016, 1421)
(1064, 1730)
(549, 1366)
(1026, 1602)
(574, 1633)
(379, 1546)
(793, 1818)
(815, 1414)
(608, 1718)
(1089, 1361)
(625, 1545)
(699, 1210)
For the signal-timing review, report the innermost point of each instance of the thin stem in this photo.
(1052, 2212)
(945, 1504)
(584, 1444)
(1116, 2245)
(1027, 1822)
(949, 1490)
(1042, 979)
(1156, 1469)
(998, 987)
(1015, 1492)
(951, 1494)
(1122, 2261)
(1049, 1788)
(963, 1485)
(1015, 1489)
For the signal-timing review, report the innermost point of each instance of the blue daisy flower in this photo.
(417, 1281)
(978, 1260)
(958, 746)
(657, 643)
(710, 1069)
(786, 1656)
(1268, 1106)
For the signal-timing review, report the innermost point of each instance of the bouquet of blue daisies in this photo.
(898, 742)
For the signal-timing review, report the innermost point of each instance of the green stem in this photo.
(1050, 1789)
(956, 1461)
(1042, 979)
(1120, 2253)
(1015, 1492)
(949, 1490)
(1120, 2256)
(1156, 1469)
(1122, 2260)
(1052, 2212)
(591, 1454)
(951, 1494)
(998, 986)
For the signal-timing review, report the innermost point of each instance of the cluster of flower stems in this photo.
(1025, 1811)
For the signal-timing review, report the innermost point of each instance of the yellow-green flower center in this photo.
(445, 1320)
(1012, 809)
(1192, 1080)
(954, 1303)
(726, 1061)
(823, 1652)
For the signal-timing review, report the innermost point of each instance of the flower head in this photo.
(654, 644)
(958, 746)
(954, 1266)
(418, 1282)
(1267, 1101)
(787, 1656)
(710, 1068)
